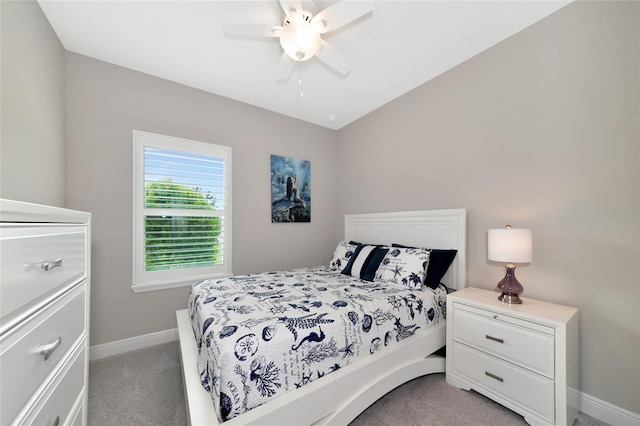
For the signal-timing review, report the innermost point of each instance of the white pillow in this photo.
(404, 266)
(341, 256)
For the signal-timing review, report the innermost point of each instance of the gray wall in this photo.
(32, 139)
(541, 132)
(105, 103)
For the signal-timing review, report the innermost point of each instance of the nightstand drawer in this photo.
(514, 340)
(531, 391)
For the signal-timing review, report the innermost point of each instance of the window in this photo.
(182, 211)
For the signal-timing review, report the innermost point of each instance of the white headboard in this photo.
(436, 229)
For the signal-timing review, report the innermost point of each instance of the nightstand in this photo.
(524, 357)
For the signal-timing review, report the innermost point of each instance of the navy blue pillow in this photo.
(365, 261)
(439, 262)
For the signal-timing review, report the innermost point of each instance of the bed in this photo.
(338, 397)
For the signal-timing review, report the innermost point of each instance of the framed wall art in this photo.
(290, 189)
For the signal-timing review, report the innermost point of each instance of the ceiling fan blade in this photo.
(340, 14)
(292, 8)
(254, 30)
(330, 56)
(285, 68)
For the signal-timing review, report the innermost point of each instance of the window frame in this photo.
(143, 281)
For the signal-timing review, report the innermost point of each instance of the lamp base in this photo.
(510, 298)
(510, 287)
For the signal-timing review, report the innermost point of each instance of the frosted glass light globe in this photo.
(300, 40)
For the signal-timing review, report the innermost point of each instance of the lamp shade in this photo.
(510, 245)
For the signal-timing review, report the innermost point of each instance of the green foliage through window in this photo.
(175, 241)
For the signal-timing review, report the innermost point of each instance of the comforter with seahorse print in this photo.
(262, 335)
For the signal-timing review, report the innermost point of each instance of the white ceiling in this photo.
(392, 50)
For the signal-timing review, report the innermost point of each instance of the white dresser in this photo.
(523, 356)
(44, 314)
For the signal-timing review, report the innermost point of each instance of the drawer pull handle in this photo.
(50, 264)
(493, 376)
(47, 265)
(495, 339)
(56, 422)
(47, 351)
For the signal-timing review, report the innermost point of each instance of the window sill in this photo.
(157, 286)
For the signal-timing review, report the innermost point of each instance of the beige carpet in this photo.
(144, 387)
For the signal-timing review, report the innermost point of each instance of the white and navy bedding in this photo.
(262, 335)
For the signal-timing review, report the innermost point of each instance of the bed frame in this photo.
(341, 396)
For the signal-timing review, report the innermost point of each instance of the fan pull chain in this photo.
(301, 83)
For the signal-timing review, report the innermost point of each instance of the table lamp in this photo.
(512, 246)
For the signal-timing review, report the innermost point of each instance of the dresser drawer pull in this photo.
(495, 339)
(50, 264)
(493, 376)
(47, 351)
(56, 422)
(47, 265)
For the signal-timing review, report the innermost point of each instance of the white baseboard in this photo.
(134, 343)
(589, 405)
(604, 411)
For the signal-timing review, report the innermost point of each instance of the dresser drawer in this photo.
(23, 366)
(77, 417)
(59, 401)
(531, 391)
(36, 261)
(527, 344)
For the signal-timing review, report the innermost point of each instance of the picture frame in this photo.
(290, 190)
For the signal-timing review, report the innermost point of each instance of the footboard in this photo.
(344, 394)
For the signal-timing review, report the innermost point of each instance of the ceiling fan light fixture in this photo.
(300, 40)
(301, 33)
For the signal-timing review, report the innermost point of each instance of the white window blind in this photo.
(182, 206)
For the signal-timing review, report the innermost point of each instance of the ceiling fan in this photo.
(301, 33)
